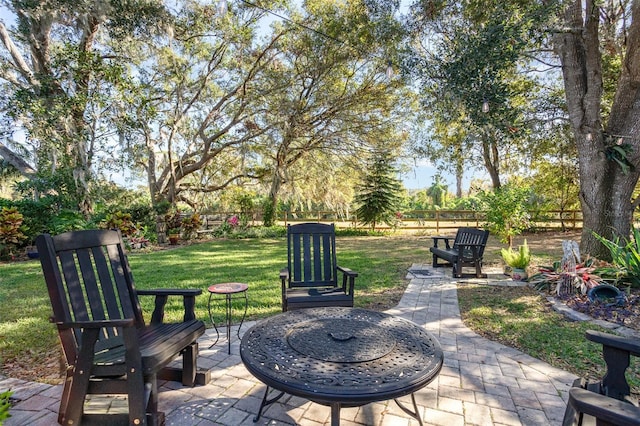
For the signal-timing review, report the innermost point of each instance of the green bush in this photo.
(68, 220)
(38, 215)
(190, 225)
(11, 230)
(173, 220)
(517, 259)
(507, 211)
(121, 221)
(269, 214)
(625, 257)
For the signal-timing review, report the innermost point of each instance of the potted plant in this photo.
(174, 236)
(517, 260)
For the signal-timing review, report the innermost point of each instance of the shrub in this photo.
(224, 230)
(173, 220)
(11, 230)
(190, 225)
(121, 221)
(552, 278)
(507, 213)
(625, 257)
(5, 404)
(517, 259)
(269, 213)
(38, 216)
(67, 220)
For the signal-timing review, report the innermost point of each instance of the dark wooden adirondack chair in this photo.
(311, 277)
(107, 347)
(608, 400)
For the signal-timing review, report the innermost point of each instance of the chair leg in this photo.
(189, 364)
(571, 417)
(136, 392)
(152, 402)
(78, 383)
(138, 398)
(77, 395)
(64, 400)
(457, 269)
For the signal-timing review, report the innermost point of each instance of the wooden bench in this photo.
(467, 250)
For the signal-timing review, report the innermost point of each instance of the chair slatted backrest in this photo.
(472, 236)
(88, 279)
(312, 255)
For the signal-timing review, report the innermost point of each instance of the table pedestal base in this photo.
(335, 407)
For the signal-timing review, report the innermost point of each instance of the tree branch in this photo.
(19, 62)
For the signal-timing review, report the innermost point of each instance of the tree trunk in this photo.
(276, 184)
(490, 157)
(459, 174)
(605, 189)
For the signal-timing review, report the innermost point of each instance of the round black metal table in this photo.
(341, 357)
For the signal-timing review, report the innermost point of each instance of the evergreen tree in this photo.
(378, 197)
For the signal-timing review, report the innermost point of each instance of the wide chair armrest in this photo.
(602, 407)
(189, 301)
(284, 274)
(284, 279)
(348, 279)
(347, 271)
(609, 340)
(437, 238)
(616, 352)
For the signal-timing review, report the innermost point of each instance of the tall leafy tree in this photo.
(379, 195)
(190, 117)
(438, 192)
(334, 99)
(469, 66)
(58, 69)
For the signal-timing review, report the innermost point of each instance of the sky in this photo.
(421, 176)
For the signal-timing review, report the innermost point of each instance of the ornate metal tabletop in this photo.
(341, 356)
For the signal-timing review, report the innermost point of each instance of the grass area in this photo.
(521, 318)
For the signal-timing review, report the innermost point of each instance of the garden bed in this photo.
(627, 315)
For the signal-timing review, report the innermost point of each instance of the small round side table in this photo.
(227, 291)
